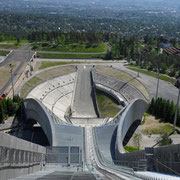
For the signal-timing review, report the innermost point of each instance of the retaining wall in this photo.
(19, 157)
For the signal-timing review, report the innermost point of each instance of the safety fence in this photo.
(17, 156)
(64, 155)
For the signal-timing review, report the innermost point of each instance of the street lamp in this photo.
(157, 84)
(177, 84)
(11, 70)
(139, 64)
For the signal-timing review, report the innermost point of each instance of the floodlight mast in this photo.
(157, 84)
(11, 70)
(177, 105)
(139, 63)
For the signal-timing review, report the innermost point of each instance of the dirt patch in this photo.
(155, 126)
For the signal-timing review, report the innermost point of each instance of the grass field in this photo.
(75, 47)
(130, 148)
(70, 56)
(4, 53)
(15, 41)
(153, 74)
(10, 46)
(46, 64)
(108, 107)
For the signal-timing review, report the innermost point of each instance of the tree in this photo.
(11, 107)
(108, 55)
(137, 138)
(164, 140)
(58, 40)
(18, 40)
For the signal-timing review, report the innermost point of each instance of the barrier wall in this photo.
(19, 157)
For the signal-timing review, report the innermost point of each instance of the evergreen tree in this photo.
(2, 115)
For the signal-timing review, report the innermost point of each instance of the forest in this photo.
(164, 109)
(9, 107)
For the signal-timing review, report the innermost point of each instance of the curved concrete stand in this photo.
(133, 113)
(109, 138)
(36, 111)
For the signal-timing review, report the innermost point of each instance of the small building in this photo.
(172, 51)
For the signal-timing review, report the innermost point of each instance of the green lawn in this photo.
(46, 64)
(35, 80)
(10, 46)
(14, 41)
(108, 107)
(153, 74)
(70, 56)
(75, 47)
(4, 53)
(130, 148)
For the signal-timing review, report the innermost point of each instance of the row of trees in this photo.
(9, 107)
(164, 109)
(151, 58)
(166, 64)
(125, 47)
(75, 37)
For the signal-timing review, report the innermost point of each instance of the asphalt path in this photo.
(83, 105)
(23, 55)
(166, 89)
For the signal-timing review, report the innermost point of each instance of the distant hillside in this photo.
(142, 3)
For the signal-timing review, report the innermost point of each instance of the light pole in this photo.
(29, 62)
(177, 105)
(11, 70)
(139, 64)
(157, 84)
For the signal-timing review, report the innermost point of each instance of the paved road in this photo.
(83, 104)
(166, 90)
(71, 60)
(23, 55)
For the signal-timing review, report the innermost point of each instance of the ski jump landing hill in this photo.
(51, 102)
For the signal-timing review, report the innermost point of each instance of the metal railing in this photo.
(10, 156)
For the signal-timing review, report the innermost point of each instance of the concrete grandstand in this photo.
(71, 149)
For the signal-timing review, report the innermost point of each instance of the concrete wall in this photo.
(133, 112)
(93, 94)
(110, 137)
(164, 159)
(35, 110)
(15, 156)
(105, 137)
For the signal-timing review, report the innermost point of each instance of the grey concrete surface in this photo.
(133, 112)
(56, 94)
(83, 105)
(13, 169)
(35, 110)
(16, 143)
(58, 175)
